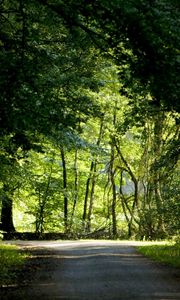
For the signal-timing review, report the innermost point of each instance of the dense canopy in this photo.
(89, 118)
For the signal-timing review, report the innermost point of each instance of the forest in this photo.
(89, 118)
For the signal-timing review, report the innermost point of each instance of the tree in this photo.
(43, 82)
(142, 36)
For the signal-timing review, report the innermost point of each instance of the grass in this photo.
(167, 254)
(10, 261)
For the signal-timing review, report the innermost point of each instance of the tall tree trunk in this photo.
(91, 201)
(153, 150)
(75, 186)
(94, 177)
(86, 195)
(42, 204)
(6, 212)
(113, 186)
(156, 172)
(125, 207)
(65, 190)
(112, 176)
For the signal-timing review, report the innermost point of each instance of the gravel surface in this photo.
(91, 270)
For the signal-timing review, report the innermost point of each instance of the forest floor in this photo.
(91, 270)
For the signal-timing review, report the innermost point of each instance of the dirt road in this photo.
(92, 270)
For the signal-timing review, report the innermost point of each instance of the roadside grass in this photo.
(167, 254)
(11, 259)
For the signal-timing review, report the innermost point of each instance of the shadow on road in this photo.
(91, 271)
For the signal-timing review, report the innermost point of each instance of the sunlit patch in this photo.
(117, 255)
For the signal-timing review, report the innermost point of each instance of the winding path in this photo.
(93, 270)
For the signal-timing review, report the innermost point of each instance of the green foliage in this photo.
(142, 37)
(10, 260)
(96, 80)
(168, 254)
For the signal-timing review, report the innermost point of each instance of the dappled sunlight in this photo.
(82, 243)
